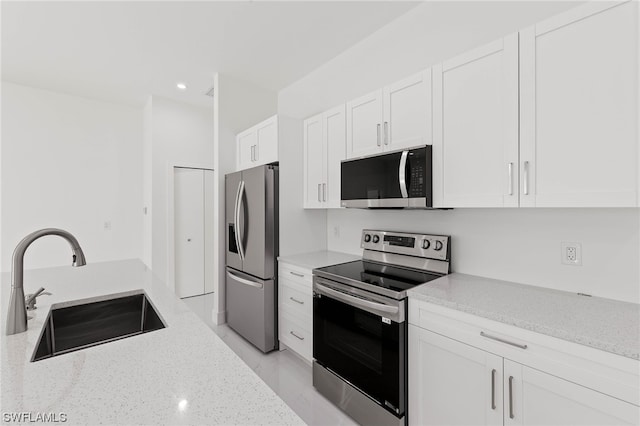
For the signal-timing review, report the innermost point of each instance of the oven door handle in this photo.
(373, 307)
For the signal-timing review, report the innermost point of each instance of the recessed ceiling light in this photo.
(181, 86)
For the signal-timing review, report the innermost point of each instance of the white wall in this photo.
(238, 105)
(424, 36)
(71, 163)
(521, 245)
(181, 134)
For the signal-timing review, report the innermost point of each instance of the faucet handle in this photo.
(30, 299)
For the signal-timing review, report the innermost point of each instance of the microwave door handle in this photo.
(239, 236)
(402, 173)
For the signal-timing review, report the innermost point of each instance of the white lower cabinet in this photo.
(536, 398)
(460, 382)
(451, 383)
(295, 309)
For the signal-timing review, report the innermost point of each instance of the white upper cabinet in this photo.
(579, 108)
(246, 141)
(324, 149)
(258, 145)
(314, 162)
(407, 112)
(475, 145)
(364, 125)
(334, 126)
(395, 117)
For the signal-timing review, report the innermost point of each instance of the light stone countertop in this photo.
(318, 259)
(605, 324)
(182, 374)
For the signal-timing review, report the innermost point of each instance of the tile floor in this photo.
(287, 374)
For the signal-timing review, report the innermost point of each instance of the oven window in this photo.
(361, 348)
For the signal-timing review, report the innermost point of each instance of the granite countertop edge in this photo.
(560, 333)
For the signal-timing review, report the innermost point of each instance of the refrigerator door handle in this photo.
(234, 277)
(238, 205)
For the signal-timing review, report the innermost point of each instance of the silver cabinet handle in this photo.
(256, 151)
(296, 274)
(296, 336)
(510, 178)
(243, 281)
(493, 389)
(511, 415)
(252, 155)
(517, 345)
(526, 178)
(300, 302)
(378, 127)
(324, 192)
(386, 133)
(319, 193)
(402, 172)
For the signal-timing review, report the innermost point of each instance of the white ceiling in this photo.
(124, 51)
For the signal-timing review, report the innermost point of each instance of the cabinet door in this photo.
(476, 127)
(364, 125)
(267, 145)
(579, 108)
(246, 143)
(407, 112)
(334, 125)
(451, 383)
(314, 164)
(532, 397)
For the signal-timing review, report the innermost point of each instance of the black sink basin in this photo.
(72, 326)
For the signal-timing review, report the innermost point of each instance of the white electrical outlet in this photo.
(107, 225)
(336, 231)
(571, 253)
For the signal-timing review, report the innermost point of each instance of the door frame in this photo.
(171, 241)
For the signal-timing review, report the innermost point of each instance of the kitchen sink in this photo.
(76, 325)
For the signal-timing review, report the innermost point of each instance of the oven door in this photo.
(361, 337)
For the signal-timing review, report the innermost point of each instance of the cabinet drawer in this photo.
(294, 334)
(293, 299)
(296, 274)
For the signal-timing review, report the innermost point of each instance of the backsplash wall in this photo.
(520, 245)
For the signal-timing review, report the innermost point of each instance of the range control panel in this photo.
(419, 245)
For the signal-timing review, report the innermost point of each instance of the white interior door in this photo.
(189, 231)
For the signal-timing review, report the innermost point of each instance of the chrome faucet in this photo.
(17, 316)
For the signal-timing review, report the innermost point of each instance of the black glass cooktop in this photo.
(379, 275)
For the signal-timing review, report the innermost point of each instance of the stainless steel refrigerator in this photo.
(252, 251)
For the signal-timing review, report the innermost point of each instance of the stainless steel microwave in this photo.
(401, 179)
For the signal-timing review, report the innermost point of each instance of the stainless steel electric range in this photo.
(360, 323)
